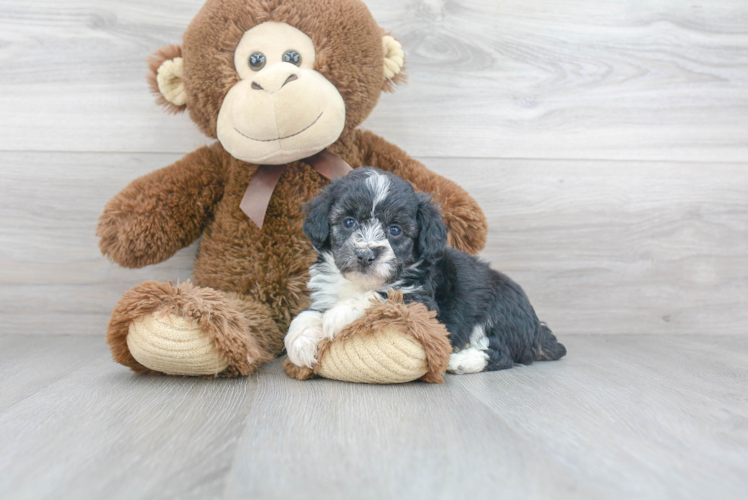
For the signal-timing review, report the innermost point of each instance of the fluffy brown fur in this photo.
(215, 313)
(259, 274)
(298, 372)
(159, 213)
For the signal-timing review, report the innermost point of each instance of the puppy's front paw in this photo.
(303, 352)
(338, 318)
(303, 337)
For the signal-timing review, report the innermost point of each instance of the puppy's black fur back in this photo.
(468, 293)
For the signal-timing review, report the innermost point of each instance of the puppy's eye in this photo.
(395, 230)
(349, 223)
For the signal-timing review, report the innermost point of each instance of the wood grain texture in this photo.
(602, 79)
(620, 247)
(31, 363)
(620, 417)
(600, 247)
(102, 431)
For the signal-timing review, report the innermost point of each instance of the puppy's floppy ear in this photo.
(316, 227)
(432, 232)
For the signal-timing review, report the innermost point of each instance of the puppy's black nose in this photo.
(367, 255)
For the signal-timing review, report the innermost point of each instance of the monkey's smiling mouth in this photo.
(281, 138)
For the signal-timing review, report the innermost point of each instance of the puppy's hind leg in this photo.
(499, 356)
(469, 360)
(475, 357)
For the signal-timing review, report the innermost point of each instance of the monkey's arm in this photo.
(464, 218)
(161, 212)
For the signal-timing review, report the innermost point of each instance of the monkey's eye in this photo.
(395, 231)
(349, 223)
(257, 61)
(293, 57)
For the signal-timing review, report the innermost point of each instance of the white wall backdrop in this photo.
(607, 141)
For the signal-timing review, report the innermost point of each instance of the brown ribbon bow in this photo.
(257, 196)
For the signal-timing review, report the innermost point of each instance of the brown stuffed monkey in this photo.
(279, 84)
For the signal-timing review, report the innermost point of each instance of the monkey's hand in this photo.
(162, 212)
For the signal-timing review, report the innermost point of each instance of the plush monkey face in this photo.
(280, 81)
(281, 109)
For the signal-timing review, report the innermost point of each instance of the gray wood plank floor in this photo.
(621, 417)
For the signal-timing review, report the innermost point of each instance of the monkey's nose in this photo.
(272, 80)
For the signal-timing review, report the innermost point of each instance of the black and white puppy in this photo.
(374, 233)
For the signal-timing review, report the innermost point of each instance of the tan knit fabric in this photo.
(394, 57)
(170, 81)
(384, 357)
(173, 345)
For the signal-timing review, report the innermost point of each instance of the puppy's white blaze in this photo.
(478, 338)
(303, 337)
(370, 234)
(380, 187)
(470, 360)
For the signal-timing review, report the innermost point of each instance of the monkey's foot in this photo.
(174, 345)
(159, 328)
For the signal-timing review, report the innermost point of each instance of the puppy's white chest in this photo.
(340, 300)
(351, 292)
(343, 295)
(329, 287)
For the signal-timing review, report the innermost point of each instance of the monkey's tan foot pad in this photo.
(173, 345)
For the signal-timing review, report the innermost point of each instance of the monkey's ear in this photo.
(432, 232)
(166, 78)
(316, 227)
(394, 62)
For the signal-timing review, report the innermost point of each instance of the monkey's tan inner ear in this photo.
(170, 82)
(394, 57)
